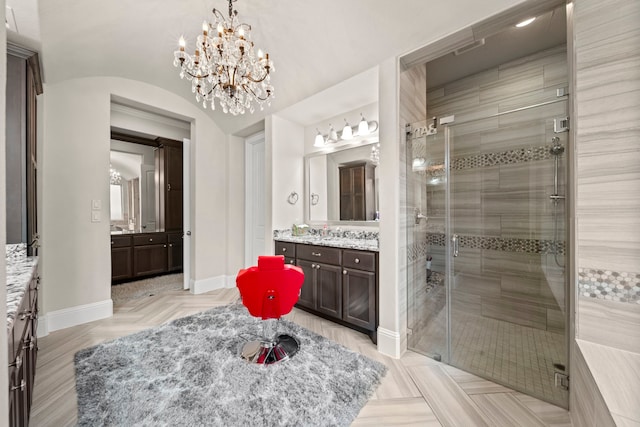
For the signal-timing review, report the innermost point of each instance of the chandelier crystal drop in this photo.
(225, 66)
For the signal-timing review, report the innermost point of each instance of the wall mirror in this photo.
(132, 187)
(342, 186)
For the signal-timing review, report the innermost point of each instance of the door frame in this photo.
(186, 213)
(250, 211)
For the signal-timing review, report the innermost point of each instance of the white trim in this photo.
(130, 111)
(389, 343)
(251, 211)
(72, 316)
(212, 283)
(186, 212)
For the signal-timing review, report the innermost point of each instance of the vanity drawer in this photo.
(120, 241)
(359, 260)
(321, 254)
(285, 248)
(149, 239)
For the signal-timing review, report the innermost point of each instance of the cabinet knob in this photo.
(170, 245)
(344, 272)
(150, 239)
(357, 260)
(164, 246)
(112, 242)
(284, 249)
(313, 266)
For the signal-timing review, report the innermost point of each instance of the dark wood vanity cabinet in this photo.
(339, 284)
(121, 258)
(22, 341)
(141, 255)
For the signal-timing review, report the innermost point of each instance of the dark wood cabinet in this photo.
(23, 351)
(339, 284)
(138, 255)
(169, 171)
(354, 203)
(175, 251)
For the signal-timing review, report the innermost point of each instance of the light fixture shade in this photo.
(319, 141)
(347, 132)
(363, 127)
(333, 135)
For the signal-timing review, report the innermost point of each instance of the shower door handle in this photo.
(454, 241)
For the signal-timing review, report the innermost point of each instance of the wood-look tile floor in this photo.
(416, 390)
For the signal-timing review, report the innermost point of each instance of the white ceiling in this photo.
(314, 44)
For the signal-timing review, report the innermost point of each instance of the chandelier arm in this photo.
(218, 14)
(195, 75)
(249, 90)
(251, 79)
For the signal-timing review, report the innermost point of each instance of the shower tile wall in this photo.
(607, 141)
(501, 182)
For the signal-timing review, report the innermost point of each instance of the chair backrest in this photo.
(270, 289)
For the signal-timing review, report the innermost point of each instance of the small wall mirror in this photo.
(132, 187)
(342, 186)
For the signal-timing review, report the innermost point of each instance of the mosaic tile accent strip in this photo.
(435, 167)
(609, 285)
(533, 246)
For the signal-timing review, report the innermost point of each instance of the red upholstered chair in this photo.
(269, 291)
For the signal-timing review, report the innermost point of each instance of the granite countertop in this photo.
(20, 270)
(347, 240)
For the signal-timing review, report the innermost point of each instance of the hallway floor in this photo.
(416, 391)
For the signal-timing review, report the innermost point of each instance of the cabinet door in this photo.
(173, 181)
(359, 289)
(121, 263)
(308, 292)
(175, 252)
(329, 290)
(150, 259)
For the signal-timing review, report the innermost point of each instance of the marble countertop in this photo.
(20, 270)
(337, 242)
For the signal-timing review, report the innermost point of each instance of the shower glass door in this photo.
(495, 300)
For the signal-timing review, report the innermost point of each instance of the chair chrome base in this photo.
(282, 348)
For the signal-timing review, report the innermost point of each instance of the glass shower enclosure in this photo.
(486, 238)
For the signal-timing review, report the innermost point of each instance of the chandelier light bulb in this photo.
(205, 28)
(347, 132)
(182, 43)
(241, 32)
(363, 126)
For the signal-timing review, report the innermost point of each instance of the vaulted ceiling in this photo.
(315, 44)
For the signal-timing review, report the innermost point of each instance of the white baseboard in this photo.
(72, 316)
(212, 283)
(389, 343)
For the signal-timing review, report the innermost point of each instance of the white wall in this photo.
(125, 117)
(370, 112)
(284, 152)
(76, 270)
(390, 333)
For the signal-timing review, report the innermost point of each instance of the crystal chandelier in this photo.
(114, 176)
(225, 66)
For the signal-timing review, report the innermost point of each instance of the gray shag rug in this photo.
(188, 373)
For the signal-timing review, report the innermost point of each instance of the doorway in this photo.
(254, 198)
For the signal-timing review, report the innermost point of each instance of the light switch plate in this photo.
(95, 216)
(96, 205)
